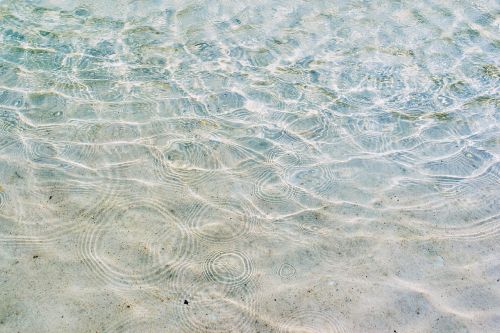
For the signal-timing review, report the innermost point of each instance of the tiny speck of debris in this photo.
(34, 257)
(50, 197)
(186, 302)
(128, 306)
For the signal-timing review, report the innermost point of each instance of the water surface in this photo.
(249, 166)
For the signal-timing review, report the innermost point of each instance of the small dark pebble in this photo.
(34, 257)
(128, 306)
(186, 302)
(50, 197)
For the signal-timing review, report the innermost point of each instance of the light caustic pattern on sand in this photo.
(269, 165)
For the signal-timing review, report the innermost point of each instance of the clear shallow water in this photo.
(261, 166)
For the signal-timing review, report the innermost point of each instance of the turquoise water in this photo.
(249, 166)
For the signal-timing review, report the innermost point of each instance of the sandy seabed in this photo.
(249, 166)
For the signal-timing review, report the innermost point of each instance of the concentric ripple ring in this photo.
(135, 244)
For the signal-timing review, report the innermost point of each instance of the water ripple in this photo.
(311, 321)
(205, 163)
(150, 245)
(228, 267)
